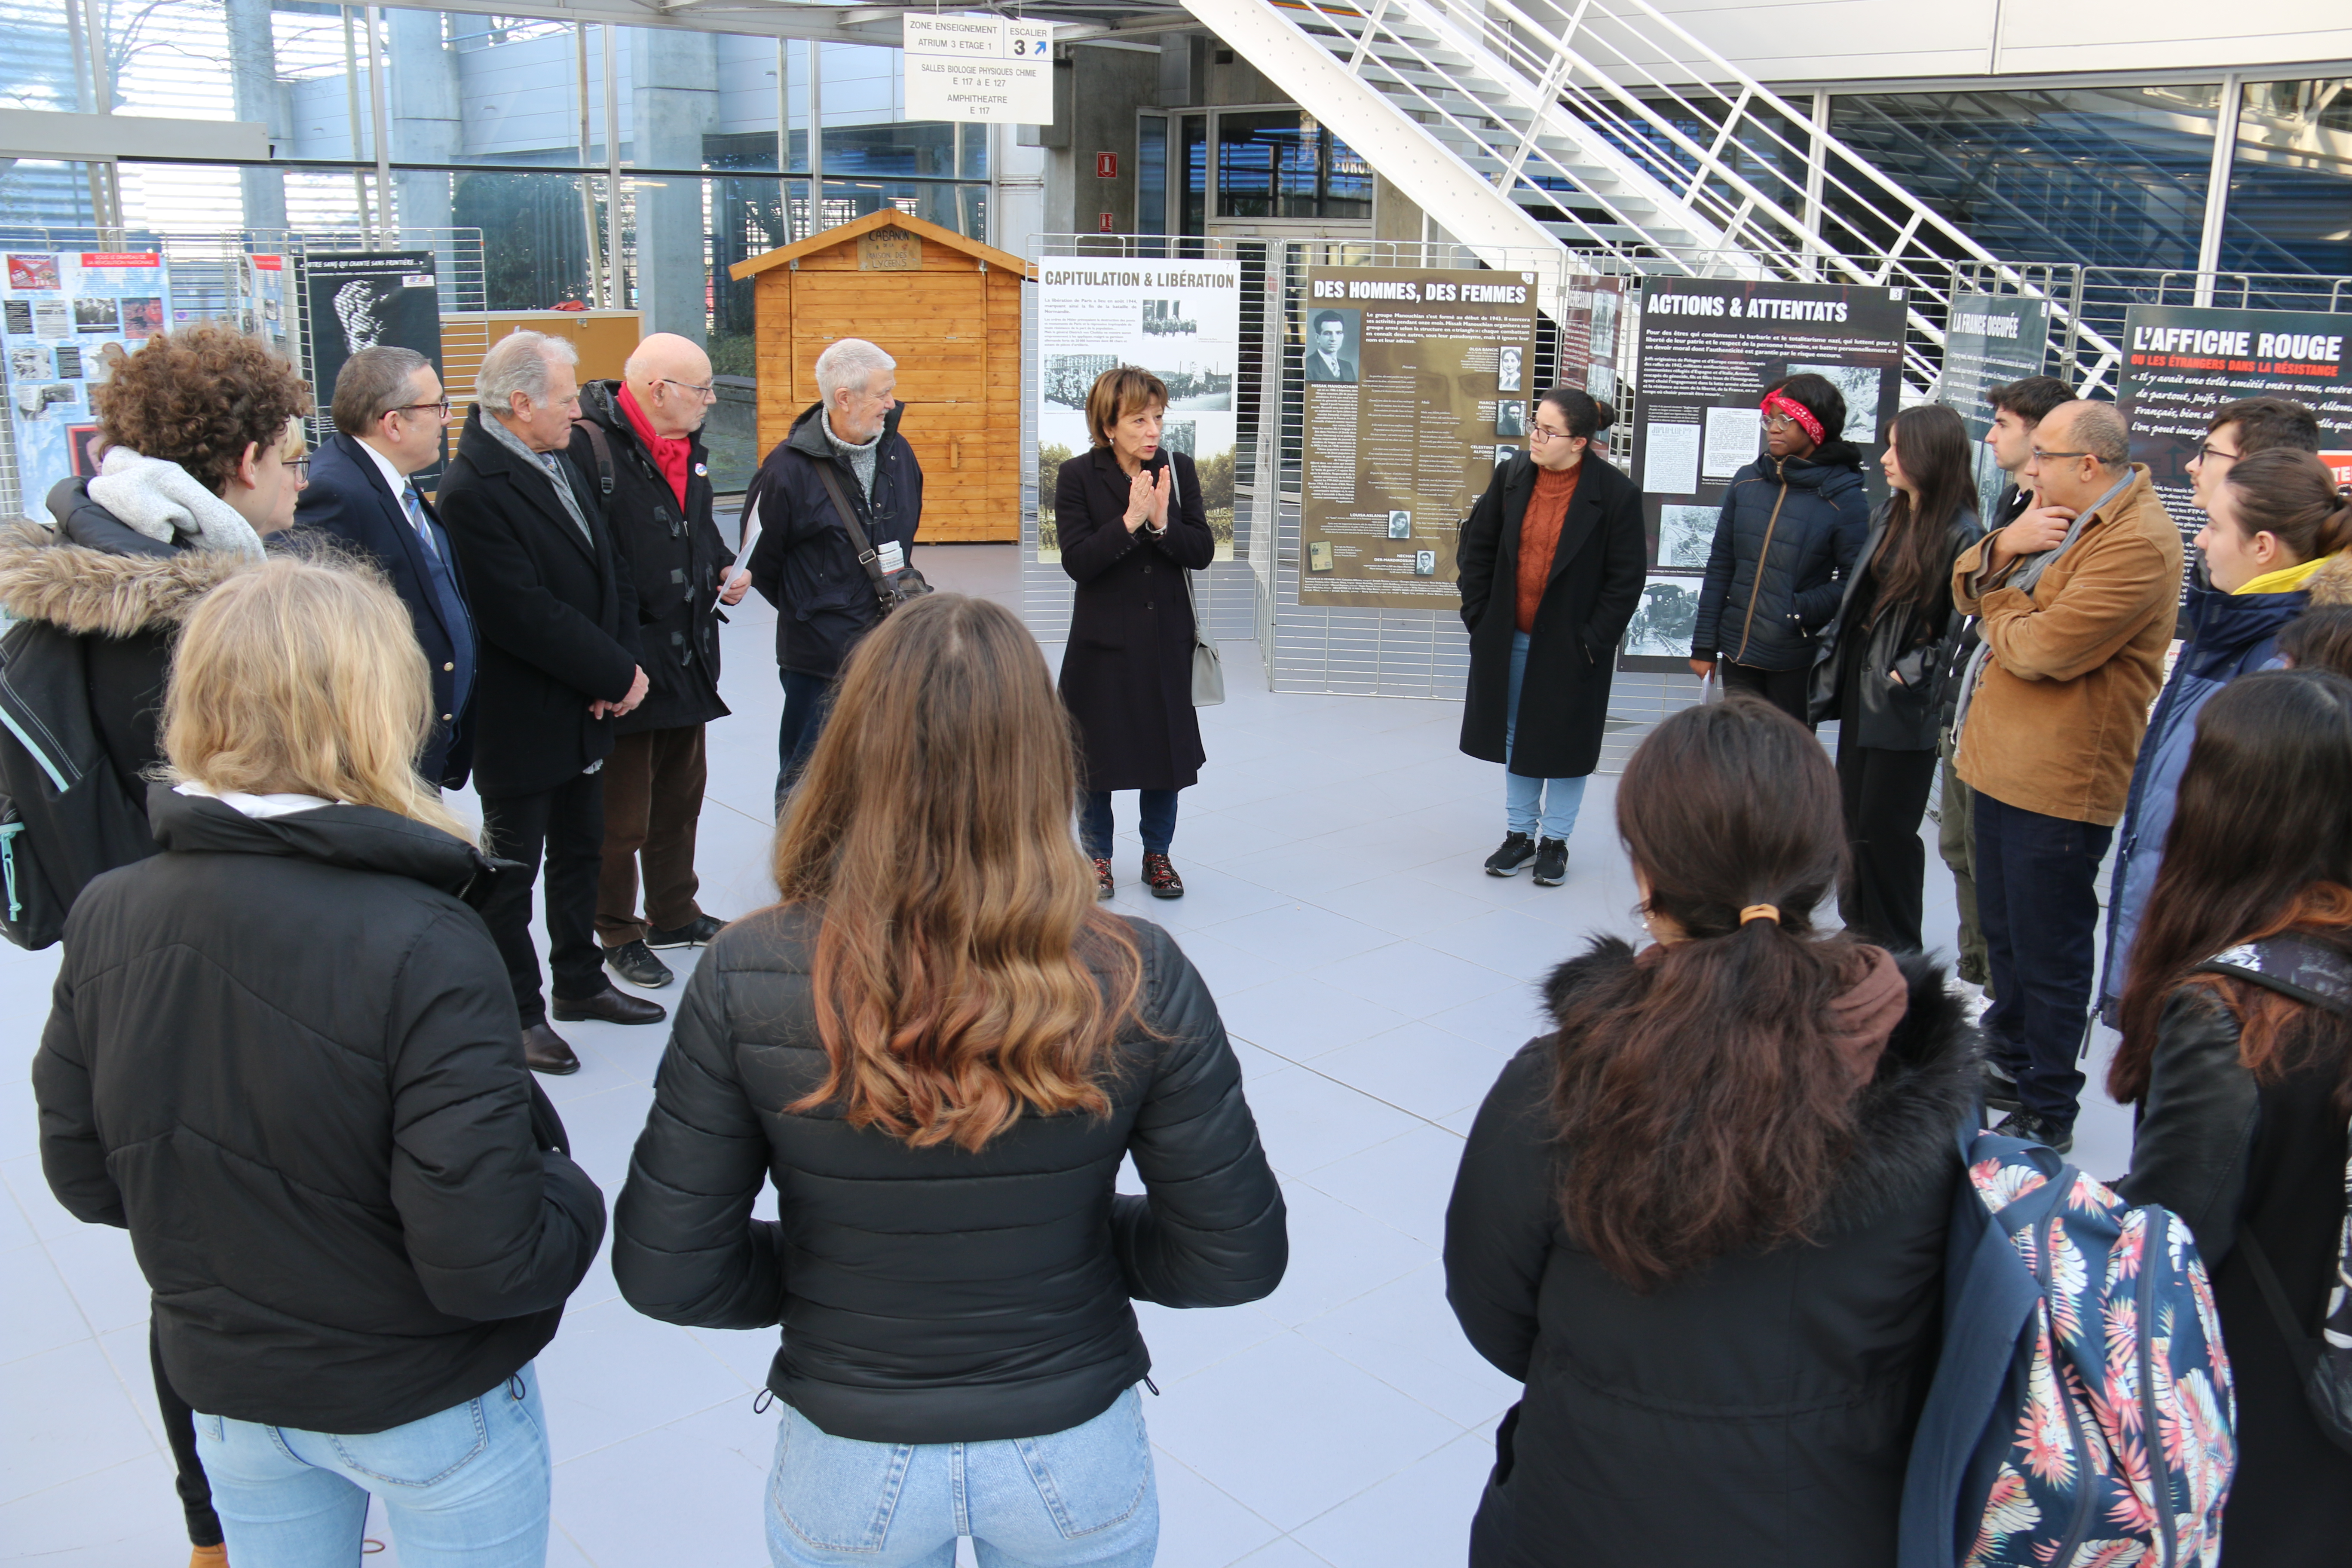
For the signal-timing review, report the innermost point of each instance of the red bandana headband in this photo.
(1781, 402)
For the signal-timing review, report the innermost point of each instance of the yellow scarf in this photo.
(2285, 580)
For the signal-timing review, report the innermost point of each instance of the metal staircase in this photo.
(1606, 126)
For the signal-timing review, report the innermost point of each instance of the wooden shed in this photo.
(947, 310)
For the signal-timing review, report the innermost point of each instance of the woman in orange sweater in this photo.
(1551, 563)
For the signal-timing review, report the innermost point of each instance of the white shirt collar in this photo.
(261, 807)
(392, 476)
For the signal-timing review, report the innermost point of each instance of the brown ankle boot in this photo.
(208, 1557)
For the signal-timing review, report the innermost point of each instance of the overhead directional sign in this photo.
(978, 68)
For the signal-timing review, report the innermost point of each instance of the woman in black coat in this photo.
(1793, 523)
(1133, 523)
(1881, 666)
(939, 1048)
(284, 1056)
(1704, 1221)
(1551, 564)
(2237, 1052)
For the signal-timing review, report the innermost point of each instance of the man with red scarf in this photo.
(639, 440)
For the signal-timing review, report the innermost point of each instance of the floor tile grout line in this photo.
(1343, 1083)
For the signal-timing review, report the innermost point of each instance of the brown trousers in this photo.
(653, 800)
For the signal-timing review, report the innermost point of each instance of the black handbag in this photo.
(891, 589)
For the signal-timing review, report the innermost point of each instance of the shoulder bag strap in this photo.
(1176, 499)
(865, 556)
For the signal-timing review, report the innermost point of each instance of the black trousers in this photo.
(1787, 689)
(180, 1430)
(808, 703)
(566, 825)
(2037, 893)
(1886, 795)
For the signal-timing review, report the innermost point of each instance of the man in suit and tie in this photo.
(390, 413)
(1326, 360)
(558, 615)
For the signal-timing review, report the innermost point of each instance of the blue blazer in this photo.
(347, 496)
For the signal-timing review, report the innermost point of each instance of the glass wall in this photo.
(1280, 163)
(2291, 181)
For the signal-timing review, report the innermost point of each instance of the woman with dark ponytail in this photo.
(1550, 567)
(2274, 544)
(1702, 1222)
(1882, 665)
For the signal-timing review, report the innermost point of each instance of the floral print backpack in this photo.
(2082, 1412)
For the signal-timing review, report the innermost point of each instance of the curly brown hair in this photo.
(199, 397)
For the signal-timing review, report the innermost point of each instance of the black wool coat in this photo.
(1757, 1411)
(1127, 670)
(284, 1054)
(675, 558)
(937, 1295)
(1595, 585)
(1912, 641)
(558, 616)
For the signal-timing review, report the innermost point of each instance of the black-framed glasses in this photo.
(708, 394)
(1545, 433)
(300, 467)
(2207, 449)
(2039, 454)
(441, 408)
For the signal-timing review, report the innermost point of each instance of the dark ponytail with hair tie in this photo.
(1586, 414)
(2291, 495)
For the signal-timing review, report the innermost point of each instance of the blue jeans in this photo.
(1537, 808)
(1083, 1496)
(2038, 897)
(1155, 821)
(465, 1487)
(808, 703)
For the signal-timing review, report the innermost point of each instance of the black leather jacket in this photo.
(1906, 661)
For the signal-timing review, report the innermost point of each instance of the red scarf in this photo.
(671, 454)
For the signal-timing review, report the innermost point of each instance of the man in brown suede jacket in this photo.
(2077, 598)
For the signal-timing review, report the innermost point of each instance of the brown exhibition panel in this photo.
(1405, 415)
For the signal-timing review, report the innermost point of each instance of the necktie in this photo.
(414, 506)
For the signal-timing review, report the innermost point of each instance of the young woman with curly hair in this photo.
(202, 456)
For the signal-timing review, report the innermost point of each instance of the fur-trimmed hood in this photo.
(1928, 1076)
(86, 591)
(2332, 583)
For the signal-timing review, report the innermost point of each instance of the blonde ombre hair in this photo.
(304, 679)
(963, 972)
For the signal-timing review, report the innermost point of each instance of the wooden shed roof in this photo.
(888, 217)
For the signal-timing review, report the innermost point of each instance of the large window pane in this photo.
(2103, 176)
(2291, 184)
(1280, 163)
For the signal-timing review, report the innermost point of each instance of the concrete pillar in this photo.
(676, 104)
(422, 100)
(253, 82)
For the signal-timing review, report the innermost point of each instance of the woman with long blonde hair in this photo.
(939, 1047)
(285, 1055)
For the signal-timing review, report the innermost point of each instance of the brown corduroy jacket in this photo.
(2057, 721)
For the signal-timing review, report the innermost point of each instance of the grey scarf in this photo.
(861, 457)
(550, 465)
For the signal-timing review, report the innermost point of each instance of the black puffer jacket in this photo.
(803, 564)
(1788, 534)
(933, 1295)
(285, 1055)
(1758, 1410)
(1911, 641)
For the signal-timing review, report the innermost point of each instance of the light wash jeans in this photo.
(1083, 1496)
(1530, 805)
(465, 1487)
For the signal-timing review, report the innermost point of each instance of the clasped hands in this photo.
(1146, 499)
(600, 708)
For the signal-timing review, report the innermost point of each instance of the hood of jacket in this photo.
(808, 437)
(2220, 627)
(1833, 468)
(352, 838)
(600, 401)
(87, 590)
(2332, 583)
(1928, 1079)
(161, 500)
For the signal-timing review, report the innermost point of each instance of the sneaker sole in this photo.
(1172, 893)
(1544, 881)
(669, 946)
(621, 974)
(1512, 871)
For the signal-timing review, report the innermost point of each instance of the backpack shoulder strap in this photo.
(2310, 972)
(599, 444)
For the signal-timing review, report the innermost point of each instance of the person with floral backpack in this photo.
(2237, 1053)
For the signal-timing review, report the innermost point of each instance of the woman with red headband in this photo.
(1793, 523)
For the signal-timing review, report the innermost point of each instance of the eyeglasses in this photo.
(707, 394)
(441, 408)
(2206, 449)
(300, 467)
(1778, 422)
(1545, 433)
(2039, 454)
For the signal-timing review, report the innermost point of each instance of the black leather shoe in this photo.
(544, 1051)
(696, 933)
(634, 964)
(609, 1007)
(1999, 1088)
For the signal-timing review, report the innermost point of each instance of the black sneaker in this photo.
(635, 963)
(1999, 1088)
(696, 933)
(1552, 862)
(1517, 851)
(2034, 1130)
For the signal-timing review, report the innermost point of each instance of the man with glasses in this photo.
(390, 417)
(2076, 600)
(640, 437)
(2240, 429)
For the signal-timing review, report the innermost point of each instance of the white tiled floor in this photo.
(1373, 979)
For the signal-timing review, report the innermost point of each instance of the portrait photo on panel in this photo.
(1507, 374)
(1511, 418)
(1332, 338)
(1400, 525)
(1425, 563)
(1503, 455)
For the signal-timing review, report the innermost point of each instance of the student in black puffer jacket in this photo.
(1793, 523)
(939, 1047)
(285, 1055)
